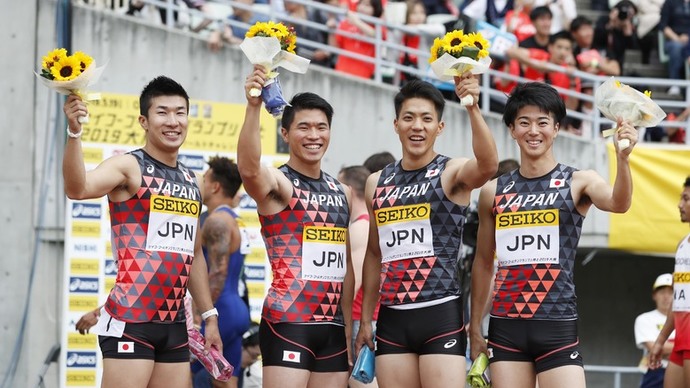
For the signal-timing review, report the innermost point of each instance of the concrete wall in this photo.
(32, 144)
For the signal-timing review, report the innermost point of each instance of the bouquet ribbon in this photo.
(478, 377)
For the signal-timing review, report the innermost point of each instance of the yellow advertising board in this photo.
(652, 224)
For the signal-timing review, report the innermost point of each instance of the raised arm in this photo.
(476, 172)
(259, 181)
(482, 268)
(118, 172)
(371, 271)
(616, 199)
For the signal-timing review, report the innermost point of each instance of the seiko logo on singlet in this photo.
(415, 190)
(527, 237)
(81, 359)
(323, 253)
(520, 200)
(172, 224)
(405, 232)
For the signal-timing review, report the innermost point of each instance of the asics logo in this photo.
(149, 169)
(295, 182)
(450, 343)
(491, 352)
(508, 187)
(390, 178)
(574, 355)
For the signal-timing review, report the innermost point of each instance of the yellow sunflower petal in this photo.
(436, 49)
(67, 69)
(476, 39)
(84, 60)
(648, 93)
(52, 57)
(454, 38)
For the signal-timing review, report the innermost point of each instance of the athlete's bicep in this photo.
(112, 175)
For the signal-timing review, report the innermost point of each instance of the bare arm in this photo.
(476, 172)
(618, 198)
(655, 354)
(348, 286)
(217, 237)
(359, 233)
(118, 172)
(199, 288)
(482, 268)
(371, 271)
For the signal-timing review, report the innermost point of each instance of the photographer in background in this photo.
(617, 31)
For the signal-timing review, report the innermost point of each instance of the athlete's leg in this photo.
(673, 378)
(512, 374)
(398, 370)
(170, 375)
(328, 379)
(442, 370)
(568, 376)
(232, 383)
(283, 377)
(134, 373)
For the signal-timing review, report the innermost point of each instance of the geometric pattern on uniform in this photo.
(290, 298)
(420, 279)
(539, 291)
(150, 285)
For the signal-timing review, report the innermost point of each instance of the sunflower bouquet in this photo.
(273, 45)
(616, 100)
(457, 53)
(70, 74)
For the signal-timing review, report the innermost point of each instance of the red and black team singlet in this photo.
(537, 232)
(420, 231)
(306, 248)
(153, 239)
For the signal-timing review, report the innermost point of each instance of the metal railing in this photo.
(389, 49)
(617, 371)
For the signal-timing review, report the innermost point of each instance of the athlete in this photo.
(531, 219)
(678, 369)
(418, 206)
(225, 244)
(155, 203)
(304, 214)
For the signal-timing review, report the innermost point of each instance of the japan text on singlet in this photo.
(681, 277)
(153, 239)
(420, 232)
(306, 248)
(537, 232)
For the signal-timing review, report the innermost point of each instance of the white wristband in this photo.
(205, 315)
(75, 135)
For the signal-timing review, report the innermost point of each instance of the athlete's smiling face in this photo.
(166, 122)
(684, 205)
(309, 135)
(534, 130)
(417, 126)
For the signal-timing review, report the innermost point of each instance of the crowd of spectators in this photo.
(553, 40)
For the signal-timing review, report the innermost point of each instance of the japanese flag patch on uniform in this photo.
(125, 347)
(556, 183)
(291, 356)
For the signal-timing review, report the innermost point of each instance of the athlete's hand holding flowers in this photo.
(70, 74)
(458, 53)
(629, 108)
(272, 45)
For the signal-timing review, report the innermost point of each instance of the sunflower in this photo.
(476, 39)
(648, 93)
(84, 60)
(455, 50)
(67, 69)
(259, 29)
(436, 49)
(454, 38)
(53, 57)
(289, 42)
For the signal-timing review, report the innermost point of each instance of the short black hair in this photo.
(305, 101)
(160, 86)
(578, 22)
(687, 182)
(420, 89)
(538, 94)
(378, 161)
(356, 178)
(225, 172)
(539, 12)
(506, 166)
(561, 35)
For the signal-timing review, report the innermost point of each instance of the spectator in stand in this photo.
(316, 56)
(416, 18)
(331, 21)
(235, 34)
(517, 20)
(648, 17)
(675, 24)
(353, 24)
(616, 31)
(491, 11)
(541, 18)
(589, 59)
(440, 7)
(562, 11)
(135, 6)
(582, 127)
(540, 67)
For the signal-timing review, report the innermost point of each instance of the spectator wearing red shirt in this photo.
(354, 25)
